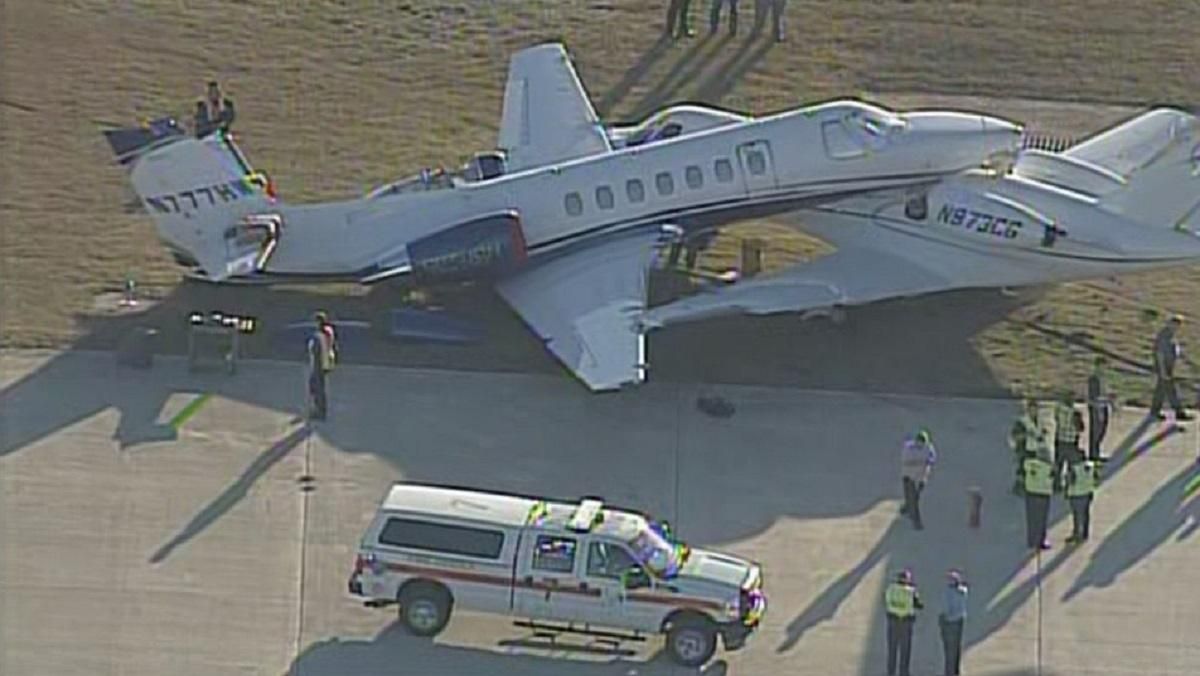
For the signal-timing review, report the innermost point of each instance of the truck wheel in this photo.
(691, 642)
(424, 608)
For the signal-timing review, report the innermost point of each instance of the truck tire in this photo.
(691, 641)
(425, 608)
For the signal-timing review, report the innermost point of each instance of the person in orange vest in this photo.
(322, 356)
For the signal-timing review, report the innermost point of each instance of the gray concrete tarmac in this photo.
(129, 547)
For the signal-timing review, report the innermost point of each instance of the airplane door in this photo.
(758, 171)
(547, 586)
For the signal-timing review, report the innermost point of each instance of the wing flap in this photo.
(547, 116)
(585, 305)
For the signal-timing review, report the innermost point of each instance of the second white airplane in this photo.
(1126, 200)
(566, 219)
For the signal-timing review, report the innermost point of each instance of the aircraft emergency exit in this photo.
(565, 218)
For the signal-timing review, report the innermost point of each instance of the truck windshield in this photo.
(656, 553)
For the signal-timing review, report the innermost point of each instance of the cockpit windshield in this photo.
(654, 550)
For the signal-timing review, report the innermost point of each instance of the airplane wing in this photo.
(584, 305)
(1136, 143)
(547, 116)
(849, 276)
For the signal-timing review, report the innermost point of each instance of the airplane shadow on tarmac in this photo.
(886, 347)
(395, 652)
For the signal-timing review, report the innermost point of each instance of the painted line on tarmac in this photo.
(190, 410)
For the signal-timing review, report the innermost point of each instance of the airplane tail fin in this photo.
(209, 206)
(1157, 155)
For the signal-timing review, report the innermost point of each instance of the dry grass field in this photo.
(335, 97)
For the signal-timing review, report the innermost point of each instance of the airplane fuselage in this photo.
(703, 179)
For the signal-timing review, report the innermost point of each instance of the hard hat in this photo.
(904, 576)
(1176, 319)
(923, 436)
(954, 576)
(321, 317)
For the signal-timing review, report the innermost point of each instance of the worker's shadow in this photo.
(685, 71)
(1173, 509)
(826, 605)
(631, 78)
(234, 493)
(393, 651)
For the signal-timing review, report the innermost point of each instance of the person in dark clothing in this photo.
(220, 108)
(1099, 408)
(677, 19)
(775, 7)
(1166, 353)
(201, 122)
(714, 16)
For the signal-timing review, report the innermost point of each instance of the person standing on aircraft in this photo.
(1039, 486)
(677, 19)
(1099, 408)
(322, 356)
(916, 461)
(775, 7)
(714, 16)
(901, 603)
(1068, 427)
(951, 622)
(1082, 479)
(220, 108)
(202, 124)
(1166, 353)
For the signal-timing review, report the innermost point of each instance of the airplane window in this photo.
(694, 177)
(635, 190)
(839, 143)
(756, 162)
(917, 207)
(723, 168)
(604, 197)
(664, 183)
(574, 204)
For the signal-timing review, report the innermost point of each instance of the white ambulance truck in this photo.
(558, 567)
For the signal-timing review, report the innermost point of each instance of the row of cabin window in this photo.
(664, 182)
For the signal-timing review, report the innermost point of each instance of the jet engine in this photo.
(489, 246)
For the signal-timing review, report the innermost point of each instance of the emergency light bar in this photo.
(587, 515)
(218, 318)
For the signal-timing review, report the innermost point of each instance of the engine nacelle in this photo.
(489, 246)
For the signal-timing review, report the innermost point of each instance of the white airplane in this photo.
(564, 220)
(1128, 199)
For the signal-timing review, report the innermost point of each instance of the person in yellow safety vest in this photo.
(1024, 438)
(1068, 428)
(322, 357)
(1039, 485)
(1082, 479)
(901, 602)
